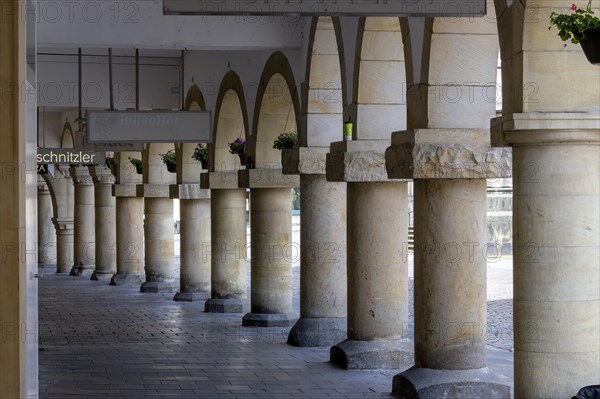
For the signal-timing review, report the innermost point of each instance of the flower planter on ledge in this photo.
(591, 46)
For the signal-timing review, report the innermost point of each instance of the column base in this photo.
(101, 276)
(311, 332)
(379, 354)
(266, 320)
(157, 286)
(227, 305)
(128, 279)
(191, 296)
(419, 383)
(80, 271)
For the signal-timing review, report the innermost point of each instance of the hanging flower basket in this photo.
(137, 163)
(242, 159)
(582, 27)
(171, 167)
(591, 46)
(204, 163)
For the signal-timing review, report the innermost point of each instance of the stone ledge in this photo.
(358, 161)
(153, 190)
(188, 191)
(446, 154)
(266, 178)
(304, 160)
(124, 190)
(545, 128)
(219, 180)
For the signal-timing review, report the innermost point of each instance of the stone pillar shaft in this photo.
(323, 288)
(228, 258)
(377, 271)
(158, 248)
(556, 268)
(130, 241)
(195, 249)
(377, 278)
(64, 245)
(46, 232)
(105, 218)
(84, 223)
(450, 273)
(271, 263)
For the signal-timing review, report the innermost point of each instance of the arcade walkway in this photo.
(99, 341)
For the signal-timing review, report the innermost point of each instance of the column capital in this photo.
(227, 180)
(446, 154)
(153, 190)
(101, 174)
(188, 191)
(536, 128)
(63, 223)
(124, 190)
(304, 160)
(81, 175)
(266, 178)
(359, 161)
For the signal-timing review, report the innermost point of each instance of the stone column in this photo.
(64, 244)
(106, 231)
(450, 259)
(323, 284)
(556, 182)
(228, 240)
(84, 222)
(130, 238)
(159, 251)
(195, 269)
(377, 226)
(46, 232)
(130, 222)
(271, 246)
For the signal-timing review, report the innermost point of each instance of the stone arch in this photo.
(323, 98)
(188, 169)
(381, 75)
(541, 74)
(231, 122)
(458, 73)
(67, 139)
(194, 99)
(276, 110)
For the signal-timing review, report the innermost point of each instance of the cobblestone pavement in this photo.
(98, 341)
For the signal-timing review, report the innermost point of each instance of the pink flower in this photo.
(573, 7)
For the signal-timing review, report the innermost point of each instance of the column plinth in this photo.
(450, 168)
(84, 257)
(323, 285)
